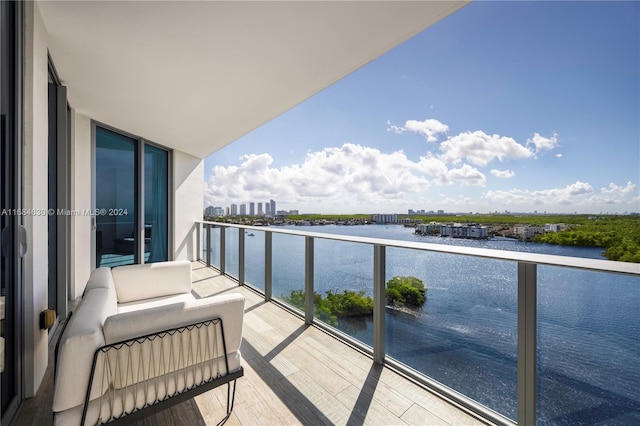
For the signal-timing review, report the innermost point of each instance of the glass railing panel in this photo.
(254, 259)
(465, 334)
(588, 369)
(288, 269)
(231, 251)
(343, 280)
(214, 246)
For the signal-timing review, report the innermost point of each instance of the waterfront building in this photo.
(384, 218)
(406, 221)
(209, 212)
(427, 228)
(234, 209)
(243, 209)
(458, 230)
(527, 232)
(260, 211)
(272, 207)
(554, 227)
(252, 208)
(218, 211)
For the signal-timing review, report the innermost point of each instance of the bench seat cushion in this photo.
(155, 302)
(228, 307)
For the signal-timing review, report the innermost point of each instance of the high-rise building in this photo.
(273, 207)
(234, 209)
(243, 209)
(267, 208)
(252, 208)
(208, 212)
(218, 211)
(260, 212)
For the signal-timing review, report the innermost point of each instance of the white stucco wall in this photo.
(81, 243)
(188, 177)
(35, 196)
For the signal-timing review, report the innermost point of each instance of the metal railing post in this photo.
(268, 265)
(308, 280)
(207, 244)
(241, 256)
(379, 303)
(527, 328)
(199, 241)
(223, 235)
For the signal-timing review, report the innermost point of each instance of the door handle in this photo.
(22, 241)
(4, 247)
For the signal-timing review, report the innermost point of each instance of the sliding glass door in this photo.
(131, 176)
(115, 174)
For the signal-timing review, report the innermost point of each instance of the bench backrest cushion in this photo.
(138, 282)
(82, 336)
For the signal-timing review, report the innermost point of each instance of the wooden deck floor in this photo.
(294, 374)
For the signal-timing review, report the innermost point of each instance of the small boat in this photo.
(251, 234)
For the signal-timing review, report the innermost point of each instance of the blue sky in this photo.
(519, 106)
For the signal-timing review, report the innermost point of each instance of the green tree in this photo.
(403, 291)
(618, 235)
(335, 305)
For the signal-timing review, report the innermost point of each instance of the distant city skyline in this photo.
(502, 106)
(246, 209)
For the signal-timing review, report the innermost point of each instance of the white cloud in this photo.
(477, 147)
(578, 195)
(559, 155)
(629, 188)
(543, 144)
(429, 128)
(480, 148)
(503, 174)
(395, 129)
(466, 175)
(348, 174)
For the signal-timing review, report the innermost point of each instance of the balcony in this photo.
(299, 370)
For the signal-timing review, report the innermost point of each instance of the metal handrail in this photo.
(599, 265)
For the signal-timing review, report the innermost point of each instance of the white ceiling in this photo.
(196, 76)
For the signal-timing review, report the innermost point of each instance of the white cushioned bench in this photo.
(139, 341)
